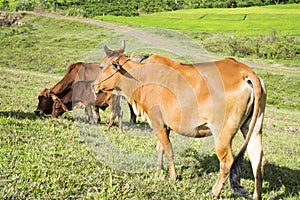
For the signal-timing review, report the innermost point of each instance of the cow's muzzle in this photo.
(38, 112)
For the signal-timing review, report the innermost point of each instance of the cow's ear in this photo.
(56, 104)
(139, 58)
(107, 50)
(48, 92)
(116, 66)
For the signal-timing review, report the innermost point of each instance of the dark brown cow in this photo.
(83, 96)
(195, 100)
(75, 72)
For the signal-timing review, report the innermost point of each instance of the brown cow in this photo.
(196, 100)
(75, 72)
(83, 96)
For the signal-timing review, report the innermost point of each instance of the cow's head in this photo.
(112, 69)
(58, 108)
(45, 103)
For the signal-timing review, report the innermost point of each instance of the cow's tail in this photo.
(235, 170)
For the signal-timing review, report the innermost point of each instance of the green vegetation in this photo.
(48, 45)
(44, 158)
(240, 21)
(270, 32)
(91, 8)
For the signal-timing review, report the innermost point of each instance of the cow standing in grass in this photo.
(196, 100)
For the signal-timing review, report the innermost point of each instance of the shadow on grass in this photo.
(19, 115)
(276, 178)
(141, 126)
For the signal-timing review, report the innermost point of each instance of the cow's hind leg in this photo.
(224, 154)
(256, 156)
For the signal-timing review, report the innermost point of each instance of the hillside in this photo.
(66, 158)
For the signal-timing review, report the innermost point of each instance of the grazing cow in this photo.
(75, 72)
(196, 100)
(83, 96)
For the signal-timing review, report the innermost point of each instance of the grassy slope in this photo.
(259, 21)
(43, 158)
(47, 158)
(48, 45)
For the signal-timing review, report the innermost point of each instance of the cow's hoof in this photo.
(211, 194)
(241, 192)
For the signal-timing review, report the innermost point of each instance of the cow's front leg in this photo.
(156, 121)
(163, 137)
(98, 118)
(89, 113)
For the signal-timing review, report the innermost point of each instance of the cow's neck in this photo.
(130, 81)
(65, 84)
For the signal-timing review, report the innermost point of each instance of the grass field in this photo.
(48, 45)
(270, 33)
(44, 158)
(240, 21)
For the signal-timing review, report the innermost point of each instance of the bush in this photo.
(92, 8)
(272, 46)
(26, 5)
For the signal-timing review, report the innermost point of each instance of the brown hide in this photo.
(195, 100)
(62, 105)
(75, 72)
(82, 96)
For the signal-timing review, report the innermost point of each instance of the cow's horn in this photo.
(123, 46)
(107, 50)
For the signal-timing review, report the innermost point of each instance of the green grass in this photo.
(268, 33)
(44, 158)
(259, 21)
(48, 45)
(64, 158)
